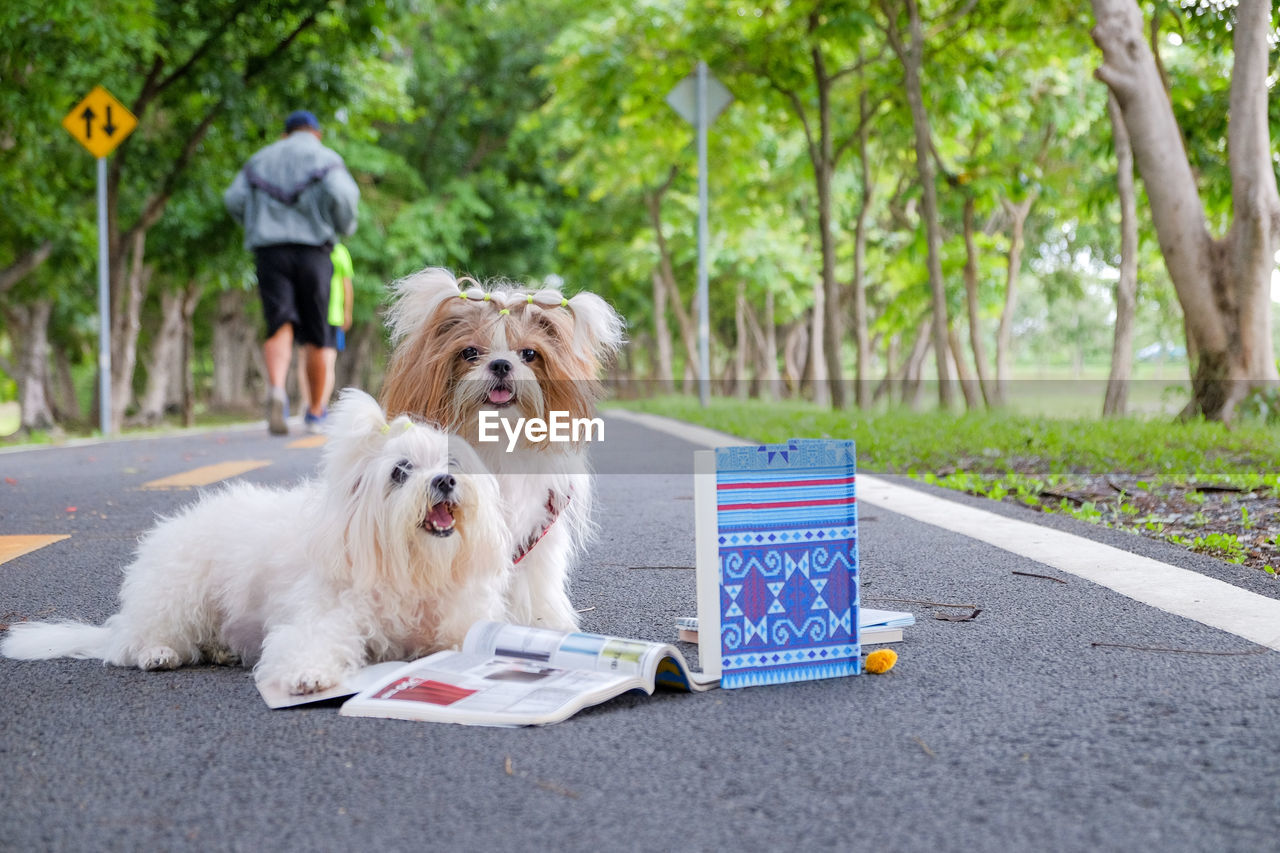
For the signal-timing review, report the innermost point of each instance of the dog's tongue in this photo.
(498, 396)
(440, 517)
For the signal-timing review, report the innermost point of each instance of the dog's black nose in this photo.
(444, 483)
(500, 367)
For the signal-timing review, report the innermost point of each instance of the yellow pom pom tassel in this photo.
(881, 660)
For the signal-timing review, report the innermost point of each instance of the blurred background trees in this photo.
(901, 191)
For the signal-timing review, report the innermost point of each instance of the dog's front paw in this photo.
(310, 681)
(158, 657)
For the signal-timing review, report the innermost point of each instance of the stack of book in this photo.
(875, 627)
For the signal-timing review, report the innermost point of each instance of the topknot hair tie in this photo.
(505, 299)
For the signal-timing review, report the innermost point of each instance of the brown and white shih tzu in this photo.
(488, 355)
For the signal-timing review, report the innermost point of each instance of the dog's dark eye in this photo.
(401, 472)
(470, 354)
(528, 356)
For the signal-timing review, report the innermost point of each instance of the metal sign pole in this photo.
(100, 123)
(104, 306)
(704, 313)
(699, 98)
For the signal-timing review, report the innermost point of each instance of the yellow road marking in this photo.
(208, 474)
(309, 441)
(16, 546)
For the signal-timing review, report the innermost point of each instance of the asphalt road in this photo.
(1009, 732)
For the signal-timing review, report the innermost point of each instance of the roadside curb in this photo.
(1182, 592)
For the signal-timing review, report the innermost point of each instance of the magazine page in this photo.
(483, 689)
(277, 697)
(614, 655)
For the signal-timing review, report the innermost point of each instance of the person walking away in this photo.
(294, 198)
(341, 302)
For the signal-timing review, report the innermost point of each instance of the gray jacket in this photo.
(293, 191)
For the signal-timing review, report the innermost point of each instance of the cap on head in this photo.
(301, 120)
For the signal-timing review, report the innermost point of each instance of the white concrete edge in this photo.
(146, 435)
(1175, 590)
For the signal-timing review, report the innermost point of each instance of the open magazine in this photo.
(507, 675)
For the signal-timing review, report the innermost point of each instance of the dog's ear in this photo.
(597, 328)
(357, 430)
(416, 298)
(357, 413)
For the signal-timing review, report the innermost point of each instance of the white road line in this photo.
(1170, 588)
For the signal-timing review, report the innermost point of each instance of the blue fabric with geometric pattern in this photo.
(787, 530)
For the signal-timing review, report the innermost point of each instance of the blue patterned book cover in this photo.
(785, 562)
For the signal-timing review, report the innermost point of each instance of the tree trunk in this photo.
(31, 324)
(66, 405)
(972, 303)
(1018, 213)
(771, 348)
(828, 331)
(766, 350)
(815, 372)
(740, 338)
(662, 370)
(666, 271)
(861, 334)
(1223, 285)
(126, 322)
(190, 302)
(164, 365)
(688, 335)
(1127, 285)
(885, 385)
(684, 320)
(235, 340)
(911, 373)
(968, 384)
(794, 354)
(911, 55)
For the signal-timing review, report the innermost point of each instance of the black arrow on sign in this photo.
(88, 116)
(109, 127)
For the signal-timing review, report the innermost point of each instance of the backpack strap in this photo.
(290, 196)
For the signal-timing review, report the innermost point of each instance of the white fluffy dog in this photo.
(392, 553)
(510, 353)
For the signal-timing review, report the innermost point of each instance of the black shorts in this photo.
(293, 282)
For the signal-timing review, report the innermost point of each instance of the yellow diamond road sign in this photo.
(100, 122)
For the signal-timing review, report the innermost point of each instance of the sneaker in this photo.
(278, 412)
(315, 423)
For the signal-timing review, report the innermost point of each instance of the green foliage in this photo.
(915, 443)
(1262, 404)
(1038, 462)
(1224, 546)
(528, 138)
